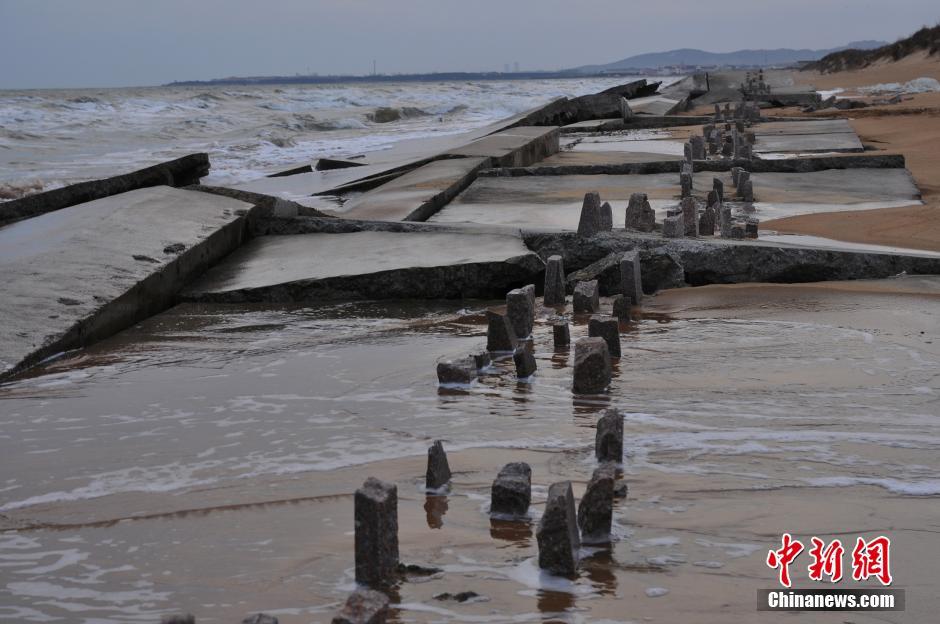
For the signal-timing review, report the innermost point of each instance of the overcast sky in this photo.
(72, 43)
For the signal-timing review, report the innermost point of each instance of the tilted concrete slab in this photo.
(516, 147)
(808, 143)
(417, 195)
(605, 157)
(372, 265)
(820, 126)
(655, 105)
(833, 186)
(84, 272)
(593, 125)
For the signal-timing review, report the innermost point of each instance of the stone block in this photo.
(438, 472)
(719, 187)
(608, 328)
(673, 227)
(554, 281)
(512, 490)
(689, 207)
(631, 284)
(524, 359)
(557, 533)
(462, 371)
(621, 307)
(364, 606)
(592, 221)
(586, 297)
(561, 333)
(746, 191)
(608, 440)
(520, 309)
(592, 371)
(706, 223)
(725, 221)
(640, 215)
(376, 530)
(596, 509)
(500, 336)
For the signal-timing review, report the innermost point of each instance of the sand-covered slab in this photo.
(377, 265)
(84, 272)
(808, 143)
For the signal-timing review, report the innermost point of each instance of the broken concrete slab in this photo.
(462, 371)
(808, 143)
(95, 268)
(520, 146)
(417, 195)
(594, 125)
(370, 265)
(179, 172)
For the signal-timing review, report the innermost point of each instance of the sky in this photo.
(105, 43)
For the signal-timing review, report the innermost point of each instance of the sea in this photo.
(52, 138)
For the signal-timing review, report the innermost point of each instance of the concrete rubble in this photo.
(561, 334)
(586, 297)
(554, 293)
(639, 215)
(500, 336)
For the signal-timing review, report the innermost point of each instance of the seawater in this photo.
(50, 138)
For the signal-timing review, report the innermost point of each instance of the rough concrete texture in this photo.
(561, 333)
(520, 146)
(660, 269)
(557, 533)
(631, 284)
(500, 336)
(260, 618)
(462, 371)
(376, 533)
(524, 360)
(554, 292)
(594, 125)
(512, 490)
(608, 328)
(417, 195)
(370, 265)
(592, 370)
(179, 172)
(96, 268)
(620, 307)
(520, 308)
(438, 472)
(608, 440)
(586, 297)
(364, 606)
(639, 214)
(718, 261)
(592, 218)
(596, 508)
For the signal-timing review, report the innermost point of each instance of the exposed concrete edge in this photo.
(475, 280)
(717, 261)
(267, 205)
(783, 165)
(376, 180)
(639, 122)
(151, 295)
(182, 171)
(288, 226)
(432, 206)
(290, 172)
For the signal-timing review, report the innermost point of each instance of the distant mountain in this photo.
(739, 58)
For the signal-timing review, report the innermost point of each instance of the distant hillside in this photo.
(739, 58)
(925, 39)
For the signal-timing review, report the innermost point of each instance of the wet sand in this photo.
(205, 461)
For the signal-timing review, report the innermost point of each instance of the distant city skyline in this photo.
(107, 43)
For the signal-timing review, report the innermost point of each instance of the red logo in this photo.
(869, 559)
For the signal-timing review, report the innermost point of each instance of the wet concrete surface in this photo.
(205, 460)
(268, 262)
(83, 271)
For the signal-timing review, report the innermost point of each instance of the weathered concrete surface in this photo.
(792, 165)
(811, 126)
(418, 194)
(517, 147)
(82, 273)
(720, 261)
(606, 157)
(594, 125)
(179, 172)
(658, 105)
(373, 265)
(808, 143)
(836, 186)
